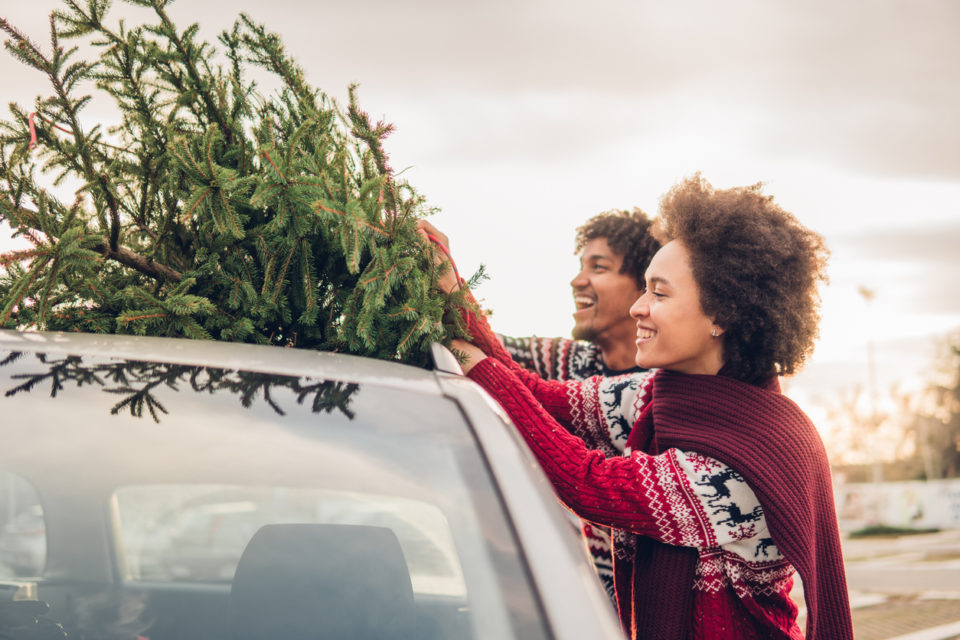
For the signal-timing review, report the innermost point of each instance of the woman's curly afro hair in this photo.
(758, 270)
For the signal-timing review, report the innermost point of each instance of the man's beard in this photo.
(584, 332)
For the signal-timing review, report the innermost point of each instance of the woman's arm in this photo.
(599, 410)
(677, 497)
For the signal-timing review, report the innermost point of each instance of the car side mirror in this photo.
(444, 360)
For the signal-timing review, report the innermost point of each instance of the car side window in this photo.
(23, 532)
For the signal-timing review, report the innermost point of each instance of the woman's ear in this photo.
(717, 331)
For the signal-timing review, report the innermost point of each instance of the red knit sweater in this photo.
(701, 550)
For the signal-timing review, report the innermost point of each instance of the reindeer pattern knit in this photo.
(579, 430)
(743, 582)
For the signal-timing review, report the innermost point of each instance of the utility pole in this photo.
(868, 295)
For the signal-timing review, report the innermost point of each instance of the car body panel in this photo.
(127, 472)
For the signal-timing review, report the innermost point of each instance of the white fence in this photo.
(918, 505)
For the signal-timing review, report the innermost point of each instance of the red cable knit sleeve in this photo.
(599, 410)
(484, 338)
(552, 394)
(645, 494)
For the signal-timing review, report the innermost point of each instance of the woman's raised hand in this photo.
(450, 279)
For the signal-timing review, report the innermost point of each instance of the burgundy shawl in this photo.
(768, 440)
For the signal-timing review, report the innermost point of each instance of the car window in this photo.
(198, 532)
(23, 534)
(165, 487)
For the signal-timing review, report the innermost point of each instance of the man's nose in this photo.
(579, 280)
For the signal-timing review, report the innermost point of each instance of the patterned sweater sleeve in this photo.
(521, 350)
(680, 498)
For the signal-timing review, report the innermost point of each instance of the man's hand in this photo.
(448, 282)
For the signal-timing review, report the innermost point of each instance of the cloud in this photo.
(911, 269)
(933, 246)
(866, 85)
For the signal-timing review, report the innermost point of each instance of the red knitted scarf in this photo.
(774, 446)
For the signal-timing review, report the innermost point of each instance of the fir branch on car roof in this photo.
(213, 210)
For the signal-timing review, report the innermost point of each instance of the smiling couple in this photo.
(715, 487)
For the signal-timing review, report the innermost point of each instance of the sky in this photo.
(520, 119)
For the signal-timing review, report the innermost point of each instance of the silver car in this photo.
(173, 489)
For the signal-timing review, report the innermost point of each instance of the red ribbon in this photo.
(446, 251)
(33, 129)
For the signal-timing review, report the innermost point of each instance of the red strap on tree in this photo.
(446, 252)
(33, 128)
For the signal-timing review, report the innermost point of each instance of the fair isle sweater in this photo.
(560, 358)
(566, 359)
(676, 497)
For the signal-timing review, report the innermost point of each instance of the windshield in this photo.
(177, 501)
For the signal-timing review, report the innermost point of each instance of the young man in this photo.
(615, 248)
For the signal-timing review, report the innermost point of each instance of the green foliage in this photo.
(936, 429)
(212, 211)
(884, 531)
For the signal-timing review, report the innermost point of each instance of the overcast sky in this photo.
(522, 118)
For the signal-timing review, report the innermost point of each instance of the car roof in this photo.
(227, 355)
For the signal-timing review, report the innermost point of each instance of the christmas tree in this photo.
(213, 210)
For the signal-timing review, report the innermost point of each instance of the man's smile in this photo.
(583, 302)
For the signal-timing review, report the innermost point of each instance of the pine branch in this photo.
(122, 255)
(217, 212)
(143, 264)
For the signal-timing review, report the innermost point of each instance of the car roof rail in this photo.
(444, 360)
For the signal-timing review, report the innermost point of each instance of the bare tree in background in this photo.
(935, 427)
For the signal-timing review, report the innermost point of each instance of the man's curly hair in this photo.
(627, 234)
(758, 270)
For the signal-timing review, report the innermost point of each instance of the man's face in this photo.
(603, 296)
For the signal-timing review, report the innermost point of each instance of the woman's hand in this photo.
(471, 353)
(449, 281)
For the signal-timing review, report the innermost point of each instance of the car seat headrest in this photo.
(322, 581)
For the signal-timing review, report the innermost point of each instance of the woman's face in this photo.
(672, 330)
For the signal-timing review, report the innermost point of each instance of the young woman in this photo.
(721, 489)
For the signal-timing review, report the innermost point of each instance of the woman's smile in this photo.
(644, 335)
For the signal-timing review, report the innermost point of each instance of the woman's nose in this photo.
(640, 308)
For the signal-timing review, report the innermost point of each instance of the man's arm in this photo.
(523, 351)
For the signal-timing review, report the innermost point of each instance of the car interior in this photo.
(293, 581)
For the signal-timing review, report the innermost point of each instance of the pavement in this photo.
(904, 587)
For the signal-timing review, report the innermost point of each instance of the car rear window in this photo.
(161, 477)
